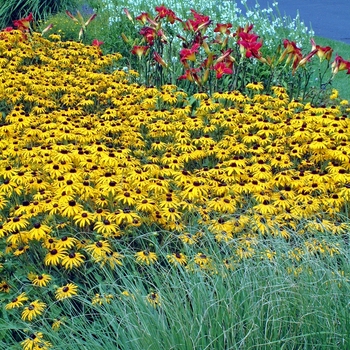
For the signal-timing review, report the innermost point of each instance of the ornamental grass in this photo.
(101, 174)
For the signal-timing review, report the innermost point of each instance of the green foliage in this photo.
(15, 9)
(69, 29)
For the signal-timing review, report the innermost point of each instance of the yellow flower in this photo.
(83, 219)
(255, 86)
(72, 260)
(4, 287)
(54, 256)
(154, 299)
(202, 260)
(334, 94)
(39, 231)
(177, 259)
(105, 228)
(99, 248)
(35, 341)
(102, 299)
(33, 310)
(112, 259)
(17, 302)
(67, 291)
(146, 257)
(57, 323)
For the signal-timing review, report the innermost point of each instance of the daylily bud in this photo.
(92, 17)
(224, 43)
(205, 76)
(304, 60)
(159, 59)
(80, 18)
(125, 38)
(47, 29)
(71, 16)
(128, 15)
(206, 47)
(81, 33)
(209, 61)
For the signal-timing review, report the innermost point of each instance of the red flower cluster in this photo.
(200, 56)
(198, 23)
(23, 24)
(164, 12)
(249, 44)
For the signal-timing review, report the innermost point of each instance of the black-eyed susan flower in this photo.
(39, 231)
(35, 341)
(98, 249)
(66, 242)
(33, 310)
(71, 208)
(146, 257)
(177, 258)
(113, 259)
(40, 280)
(54, 256)
(202, 260)
(83, 219)
(154, 299)
(57, 323)
(105, 228)
(21, 250)
(67, 291)
(4, 287)
(190, 238)
(256, 86)
(17, 301)
(73, 259)
(102, 299)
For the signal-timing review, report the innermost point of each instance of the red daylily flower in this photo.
(221, 68)
(292, 52)
(190, 75)
(223, 28)
(149, 34)
(139, 50)
(189, 54)
(161, 34)
(249, 44)
(165, 12)
(143, 17)
(340, 64)
(246, 29)
(323, 52)
(97, 43)
(198, 23)
(23, 23)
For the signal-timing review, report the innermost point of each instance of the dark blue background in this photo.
(328, 18)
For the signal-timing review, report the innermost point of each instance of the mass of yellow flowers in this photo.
(89, 159)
